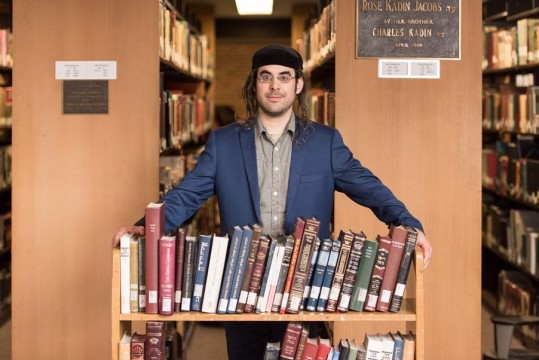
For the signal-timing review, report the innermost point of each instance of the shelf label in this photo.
(410, 69)
(85, 70)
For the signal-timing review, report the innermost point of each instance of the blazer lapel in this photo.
(296, 163)
(248, 149)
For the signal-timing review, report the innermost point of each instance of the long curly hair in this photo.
(303, 124)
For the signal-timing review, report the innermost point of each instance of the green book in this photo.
(364, 273)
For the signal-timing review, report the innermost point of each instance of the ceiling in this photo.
(227, 8)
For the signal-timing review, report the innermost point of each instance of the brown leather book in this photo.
(155, 340)
(253, 251)
(180, 251)
(398, 236)
(167, 262)
(404, 269)
(137, 346)
(350, 275)
(290, 341)
(340, 269)
(297, 233)
(257, 274)
(154, 229)
(384, 245)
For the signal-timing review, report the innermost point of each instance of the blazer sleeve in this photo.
(364, 188)
(196, 187)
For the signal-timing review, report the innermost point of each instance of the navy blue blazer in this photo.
(227, 168)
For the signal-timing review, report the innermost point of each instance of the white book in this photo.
(215, 274)
(275, 275)
(387, 346)
(125, 274)
(373, 343)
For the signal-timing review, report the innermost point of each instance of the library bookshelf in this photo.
(411, 313)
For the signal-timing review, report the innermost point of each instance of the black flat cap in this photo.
(277, 55)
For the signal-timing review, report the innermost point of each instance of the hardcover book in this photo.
(155, 340)
(257, 274)
(307, 290)
(272, 351)
(318, 275)
(398, 349)
(230, 269)
(308, 242)
(346, 239)
(387, 346)
(142, 273)
(370, 248)
(253, 251)
(124, 347)
(275, 272)
(408, 352)
(302, 340)
(215, 274)
(310, 349)
(324, 348)
(297, 234)
(283, 273)
(201, 269)
(154, 229)
(356, 251)
(167, 262)
(373, 343)
(404, 269)
(137, 346)
(352, 350)
(180, 253)
(240, 270)
(290, 341)
(133, 266)
(269, 272)
(188, 272)
(328, 276)
(125, 274)
(398, 236)
(384, 245)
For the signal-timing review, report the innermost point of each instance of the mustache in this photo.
(274, 93)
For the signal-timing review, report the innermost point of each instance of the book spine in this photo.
(215, 274)
(340, 269)
(268, 273)
(283, 272)
(307, 290)
(188, 269)
(137, 347)
(366, 265)
(125, 274)
(180, 253)
(257, 274)
(290, 341)
(301, 344)
(201, 270)
(318, 277)
(231, 264)
(321, 304)
(301, 272)
(240, 270)
(253, 251)
(280, 249)
(155, 225)
(142, 274)
(404, 269)
(384, 245)
(133, 277)
(167, 262)
(398, 239)
(155, 340)
(299, 226)
(351, 272)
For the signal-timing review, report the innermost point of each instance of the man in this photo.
(272, 168)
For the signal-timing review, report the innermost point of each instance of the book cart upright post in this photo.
(411, 313)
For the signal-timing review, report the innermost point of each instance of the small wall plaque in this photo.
(85, 97)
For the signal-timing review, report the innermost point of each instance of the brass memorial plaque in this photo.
(85, 97)
(412, 29)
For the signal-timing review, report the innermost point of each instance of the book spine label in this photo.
(328, 276)
(340, 269)
(167, 261)
(201, 270)
(351, 273)
(378, 271)
(155, 225)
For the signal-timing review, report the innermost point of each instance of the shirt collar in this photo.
(290, 128)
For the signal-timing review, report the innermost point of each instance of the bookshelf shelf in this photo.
(412, 310)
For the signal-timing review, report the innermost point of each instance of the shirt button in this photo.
(275, 218)
(276, 148)
(275, 193)
(276, 168)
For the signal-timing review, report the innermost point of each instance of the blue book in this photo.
(309, 280)
(319, 272)
(201, 269)
(226, 286)
(398, 348)
(328, 276)
(240, 270)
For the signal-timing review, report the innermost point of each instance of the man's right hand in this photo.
(131, 229)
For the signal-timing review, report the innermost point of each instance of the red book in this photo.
(398, 239)
(180, 250)
(290, 341)
(298, 234)
(324, 347)
(310, 349)
(137, 346)
(155, 340)
(155, 227)
(257, 274)
(384, 245)
(167, 262)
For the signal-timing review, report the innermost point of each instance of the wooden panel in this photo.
(423, 139)
(77, 178)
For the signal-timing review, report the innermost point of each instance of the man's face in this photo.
(275, 95)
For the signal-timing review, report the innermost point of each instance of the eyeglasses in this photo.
(266, 78)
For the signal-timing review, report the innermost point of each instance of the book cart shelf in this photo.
(411, 313)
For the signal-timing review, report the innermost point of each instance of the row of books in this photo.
(511, 108)
(517, 295)
(514, 233)
(319, 39)
(160, 342)
(6, 105)
(507, 46)
(184, 118)
(512, 169)
(186, 49)
(172, 273)
(299, 343)
(6, 54)
(321, 105)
